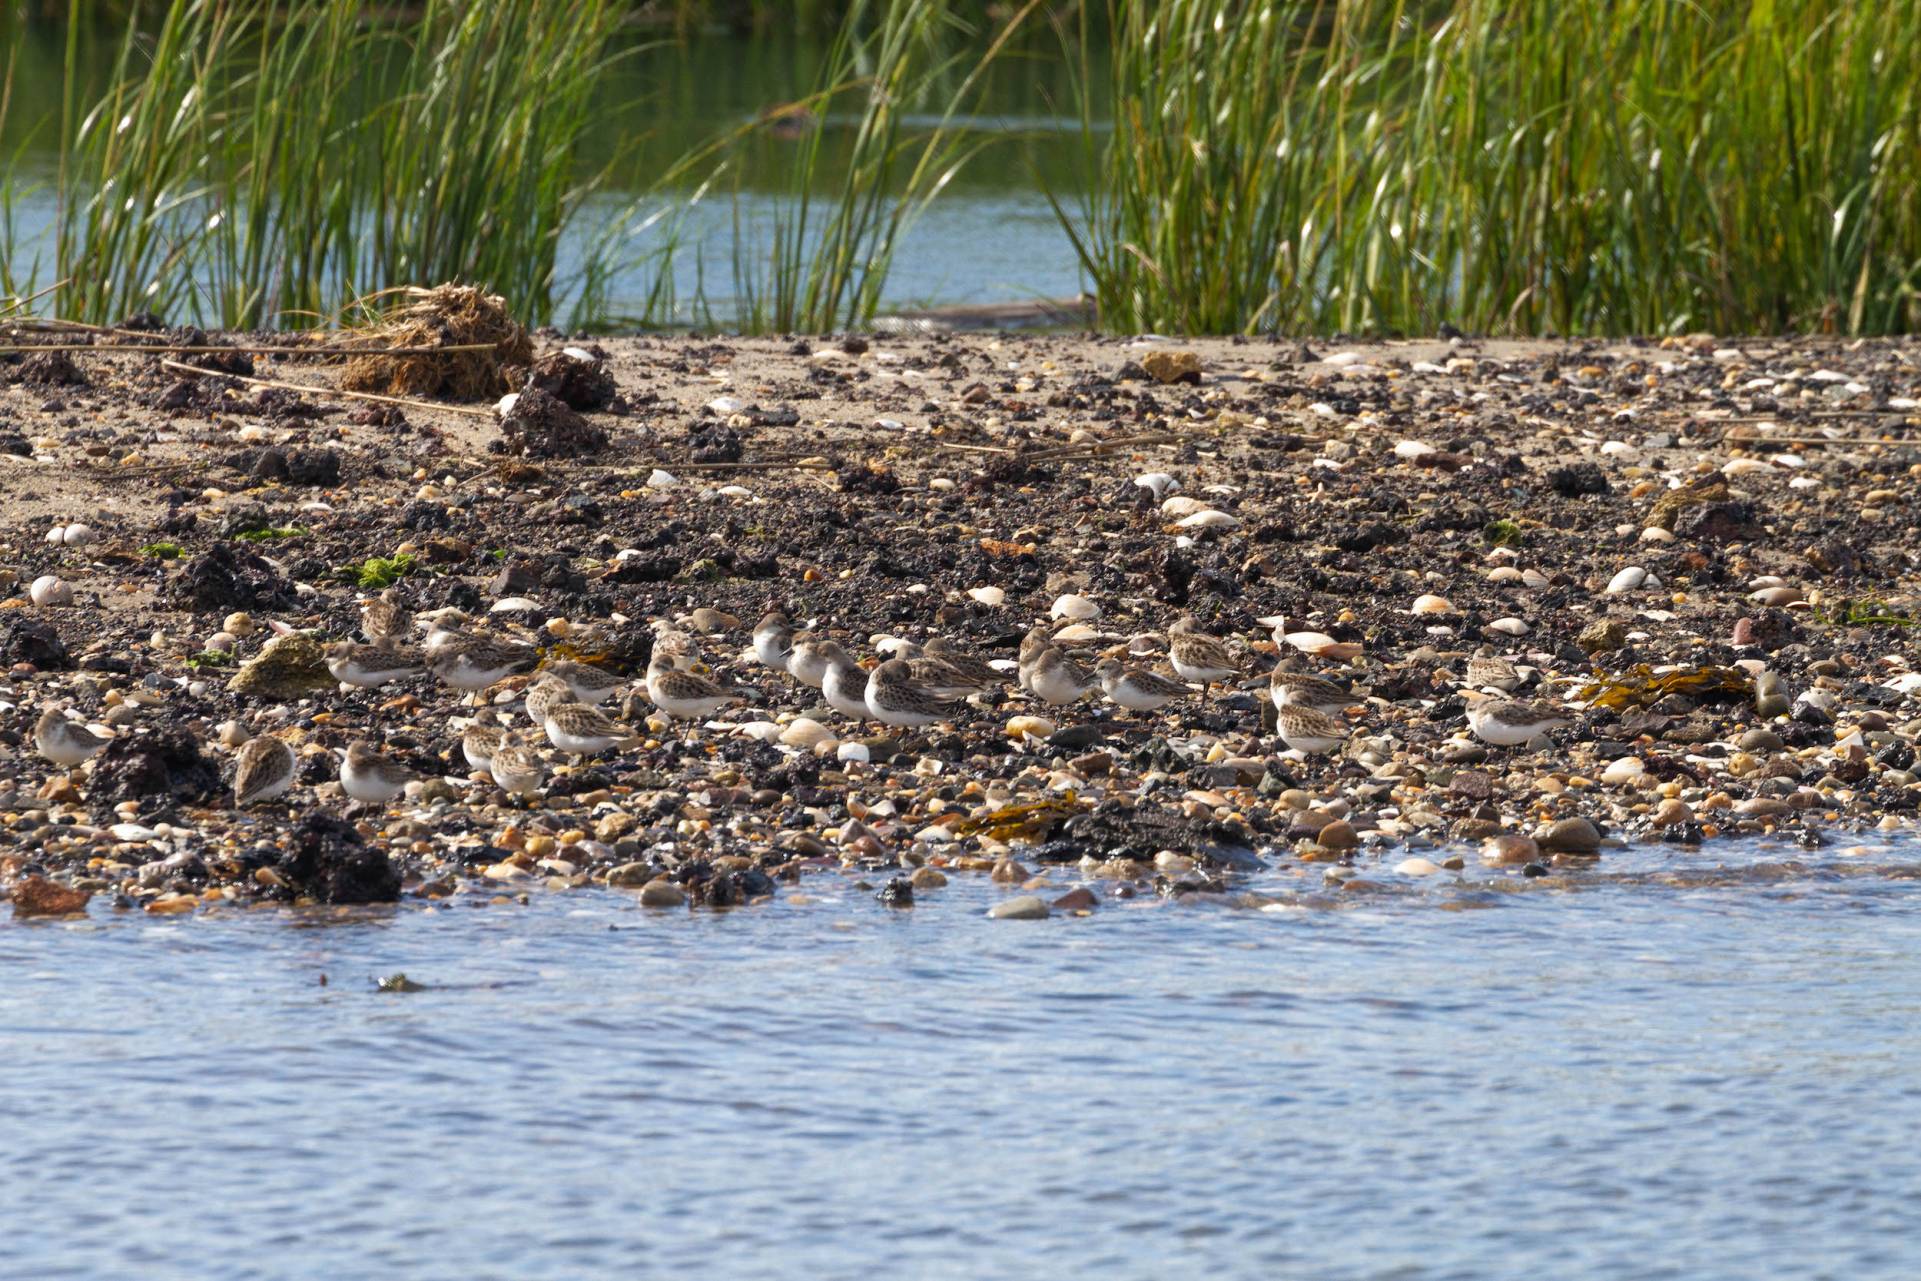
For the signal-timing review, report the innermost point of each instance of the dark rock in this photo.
(225, 578)
(542, 425)
(329, 863)
(1723, 522)
(714, 443)
(898, 892)
(316, 466)
(31, 640)
(582, 384)
(1577, 480)
(50, 369)
(162, 764)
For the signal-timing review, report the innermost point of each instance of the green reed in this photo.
(270, 161)
(1531, 167)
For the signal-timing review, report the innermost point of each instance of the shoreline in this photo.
(1498, 488)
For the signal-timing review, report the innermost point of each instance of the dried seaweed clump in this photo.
(445, 316)
(1640, 686)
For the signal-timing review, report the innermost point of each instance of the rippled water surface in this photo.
(1641, 1079)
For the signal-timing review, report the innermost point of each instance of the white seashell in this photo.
(1508, 627)
(725, 405)
(507, 403)
(1744, 467)
(1804, 482)
(658, 479)
(853, 752)
(735, 491)
(1413, 449)
(1075, 607)
(992, 597)
(1620, 449)
(48, 590)
(1534, 579)
(764, 731)
(1029, 727)
(513, 605)
(1627, 580)
(1340, 358)
(57, 535)
(1794, 461)
(1417, 866)
(942, 484)
(220, 643)
(1159, 482)
(1504, 574)
(1427, 367)
(1778, 596)
(1076, 633)
(79, 535)
(577, 353)
(1210, 519)
(1655, 534)
(1431, 604)
(1182, 505)
(1324, 645)
(805, 731)
(1624, 770)
(132, 832)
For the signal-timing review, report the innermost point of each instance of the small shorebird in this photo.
(897, 700)
(590, 684)
(480, 740)
(845, 685)
(944, 678)
(1510, 723)
(1491, 671)
(1309, 730)
(516, 768)
(366, 775)
(384, 618)
(1198, 657)
(807, 663)
(1301, 689)
(472, 663)
(65, 742)
(263, 771)
(1056, 679)
(447, 627)
(682, 695)
(1137, 690)
(580, 730)
(977, 671)
(543, 695)
(368, 666)
(773, 640)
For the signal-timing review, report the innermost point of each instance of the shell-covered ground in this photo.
(1704, 551)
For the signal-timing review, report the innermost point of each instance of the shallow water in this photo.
(1638, 1080)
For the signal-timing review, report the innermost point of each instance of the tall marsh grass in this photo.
(257, 162)
(1529, 167)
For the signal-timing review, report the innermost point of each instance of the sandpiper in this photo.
(516, 768)
(1137, 690)
(977, 670)
(845, 685)
(807, 663)
(773, 640)
(384, 618)
(64, 742)
(448, 627)
(367, 666)
(263, 770)
(1310, 730)
(590, 684)
(543, 695)
(580, 730)
(896, 699)
(366, 775)
(1056, 679)
(943, 678)
(1301, 689)
(1491, 671)
(685, 695)
(1510, 723)
(480, 740)
(1196, 656)
(472, 663)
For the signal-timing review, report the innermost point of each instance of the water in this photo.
(991, 237)
(1641, 1079)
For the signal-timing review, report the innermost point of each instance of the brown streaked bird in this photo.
(896, 699)
(65, 742)
(1198, 657)
(367, 776)
(263, 771)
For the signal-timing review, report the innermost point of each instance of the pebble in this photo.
(1509, 850)
(1028, 907)
(661, 892)
(1570, 836)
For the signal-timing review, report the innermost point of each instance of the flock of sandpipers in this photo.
(909, 686)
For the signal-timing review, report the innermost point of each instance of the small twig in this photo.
(796, 461)
(117, 349)
(1103, 446)
(428, 405)
(18, 303)
(974, 449)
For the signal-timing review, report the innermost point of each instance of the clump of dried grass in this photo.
(451, 316)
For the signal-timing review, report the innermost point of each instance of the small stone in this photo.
(1078, 899)
(1027, 907)
(1570, 836)
(1602, 637)
(38, 896)
(630, 875)
(1509, 850)
(1416, 867)
(927, 878)
(661, 892)
(1339, 835)
(1172, 366)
